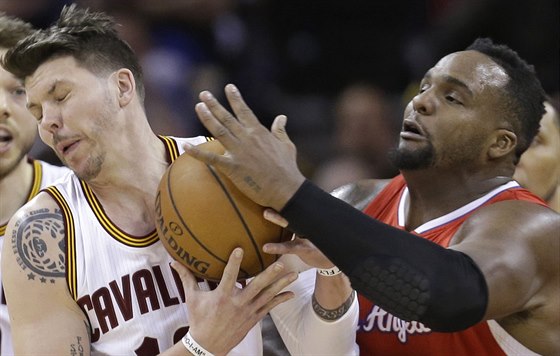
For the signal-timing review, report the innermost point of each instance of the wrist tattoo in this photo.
(332, 314)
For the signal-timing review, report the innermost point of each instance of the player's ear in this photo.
(126, 86)
(503, 143)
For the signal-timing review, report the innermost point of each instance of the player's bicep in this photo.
(35, 244)
(44, 316)
(505, 241)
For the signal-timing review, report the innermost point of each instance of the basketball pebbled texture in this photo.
(201, 217)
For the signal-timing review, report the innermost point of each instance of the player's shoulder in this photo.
(40, 218)
(515, 212)
(35, 257)
(516, 219)
(41, 203)
(360, 193)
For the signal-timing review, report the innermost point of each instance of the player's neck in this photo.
(136, 163)
(127, 186)
(554, 200)
(434, 195)
(14, 189)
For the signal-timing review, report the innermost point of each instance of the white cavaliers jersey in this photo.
(44, 174)
(132, 297)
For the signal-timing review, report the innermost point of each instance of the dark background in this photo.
(296, 57)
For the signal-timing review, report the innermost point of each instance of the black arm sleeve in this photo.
(410, 277)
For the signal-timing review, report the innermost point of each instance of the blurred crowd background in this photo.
(341, 70)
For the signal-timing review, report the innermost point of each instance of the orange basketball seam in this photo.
(236, 209)
(172, 201)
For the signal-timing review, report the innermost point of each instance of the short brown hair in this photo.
(89, 37)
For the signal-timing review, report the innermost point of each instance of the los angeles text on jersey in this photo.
(382, 321)
(142, 292)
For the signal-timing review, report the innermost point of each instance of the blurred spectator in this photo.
(539, 167)
(365, 129)
(39, 13)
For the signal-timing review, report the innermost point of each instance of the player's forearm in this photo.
(43, 338)
(332, 296)
(403, 273)
(305, 332)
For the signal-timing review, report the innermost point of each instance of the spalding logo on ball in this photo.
(201, 217)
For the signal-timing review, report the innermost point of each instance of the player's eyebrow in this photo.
(452, 80)
(53, 87)
(49, 92)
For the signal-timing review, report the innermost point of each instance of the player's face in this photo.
(75, 109)
(447, 124)
(539, 167)
(18, 128)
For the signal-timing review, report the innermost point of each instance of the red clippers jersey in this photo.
(380, 333)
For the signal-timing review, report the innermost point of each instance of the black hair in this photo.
(523, 94)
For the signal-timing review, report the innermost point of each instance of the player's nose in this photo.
(51, 118)
(423, 103)
(5, 110)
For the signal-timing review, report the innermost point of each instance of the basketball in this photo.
(201, 217)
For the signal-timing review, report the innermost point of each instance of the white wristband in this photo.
(193, 347)
(329, 272)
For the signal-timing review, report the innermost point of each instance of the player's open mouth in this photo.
(5, 139)
(411, 130)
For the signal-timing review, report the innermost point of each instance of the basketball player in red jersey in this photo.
(452, 256)
(21, 177)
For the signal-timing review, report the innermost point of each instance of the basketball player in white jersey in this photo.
(88, 274)
(21, 177)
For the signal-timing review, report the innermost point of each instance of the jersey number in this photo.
(150, 346)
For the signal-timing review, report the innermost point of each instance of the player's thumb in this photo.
(278, 128)
(202, 155)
